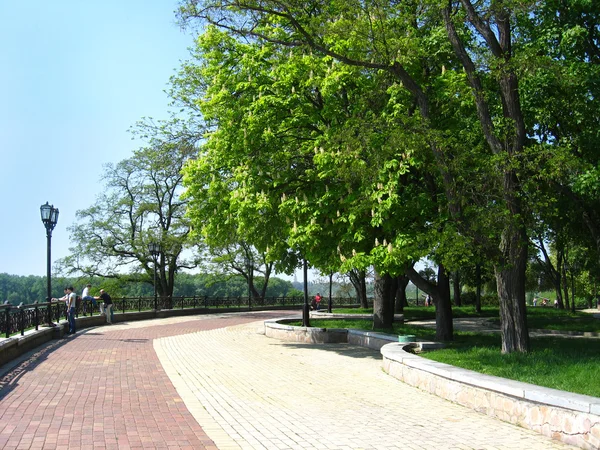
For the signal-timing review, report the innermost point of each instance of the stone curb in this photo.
(570, 418)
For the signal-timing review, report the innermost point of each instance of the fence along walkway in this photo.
(18, 319)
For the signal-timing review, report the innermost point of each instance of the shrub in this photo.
(468, 298)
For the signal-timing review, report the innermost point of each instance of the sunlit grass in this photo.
(568, 364)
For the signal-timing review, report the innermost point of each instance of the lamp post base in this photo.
(305, 315)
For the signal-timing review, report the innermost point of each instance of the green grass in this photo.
(425, 313)
(567, 364)
(537, 318)
(561, 363)
(561, 320)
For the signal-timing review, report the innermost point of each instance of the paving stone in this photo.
(214, 382)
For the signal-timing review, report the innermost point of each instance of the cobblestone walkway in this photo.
(103, 388)
(215, 382)
(252, 392)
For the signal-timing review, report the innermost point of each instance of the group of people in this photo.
(543, 301)
(70, 299)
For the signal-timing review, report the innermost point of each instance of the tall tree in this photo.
(141, 203)
(389, 34)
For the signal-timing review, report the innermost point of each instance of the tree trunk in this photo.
(558, 291)
(444, 327)
(358, 280)
(440, 293)
(553, 273)
(478, 291)
(510, 278)
(456, 286)
(263, 290)
(565, 286)
(383, 311)
(329, 301)
(401, 300)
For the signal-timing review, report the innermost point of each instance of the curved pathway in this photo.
(217, 382)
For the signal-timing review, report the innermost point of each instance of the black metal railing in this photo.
(18, 319)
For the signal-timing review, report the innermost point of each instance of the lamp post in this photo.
(248, 269)
(154, 250)
(329, 304)
(49, 218)
(305, 310)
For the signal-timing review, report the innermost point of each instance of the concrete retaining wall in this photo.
(571, 418)
(567, 417)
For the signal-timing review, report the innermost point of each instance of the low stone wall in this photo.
(571, 418)
(308, 335)
(14, 347)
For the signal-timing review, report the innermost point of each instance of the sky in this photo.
(76, 75)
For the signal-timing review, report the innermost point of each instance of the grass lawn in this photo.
(568, 364)
(537, 318)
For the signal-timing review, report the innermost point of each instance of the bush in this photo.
(469, 298)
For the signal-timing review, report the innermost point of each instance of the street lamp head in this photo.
(49, 216)
(154, 249)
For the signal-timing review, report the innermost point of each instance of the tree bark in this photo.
(478, 291)
(401, 300)
(456, 287)
(510, 279)
(358, 280)
(565, 285)
(440, 293)
(383, 310)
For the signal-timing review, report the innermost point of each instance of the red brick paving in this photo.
(103, 391)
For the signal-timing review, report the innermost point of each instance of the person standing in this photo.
(106, 305)
(318, 299)
(71, 302)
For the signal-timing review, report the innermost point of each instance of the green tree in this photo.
(491, 56)
(313, 186)
(141, 204)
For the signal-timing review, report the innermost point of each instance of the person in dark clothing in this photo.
(107, 304)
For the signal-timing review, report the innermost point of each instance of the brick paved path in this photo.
(103, 388)
(201, 385)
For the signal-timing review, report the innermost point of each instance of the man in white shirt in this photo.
(86, 298)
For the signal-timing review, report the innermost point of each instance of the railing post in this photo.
(22, 319)
(7, 320)
(37, 317)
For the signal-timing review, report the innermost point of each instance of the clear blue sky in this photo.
(75, 76)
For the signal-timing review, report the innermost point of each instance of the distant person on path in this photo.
(86, 298)
(428, 300)
(534, 301)
(318, 299)
(106, 305)
(64, 298)
(71, 302)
